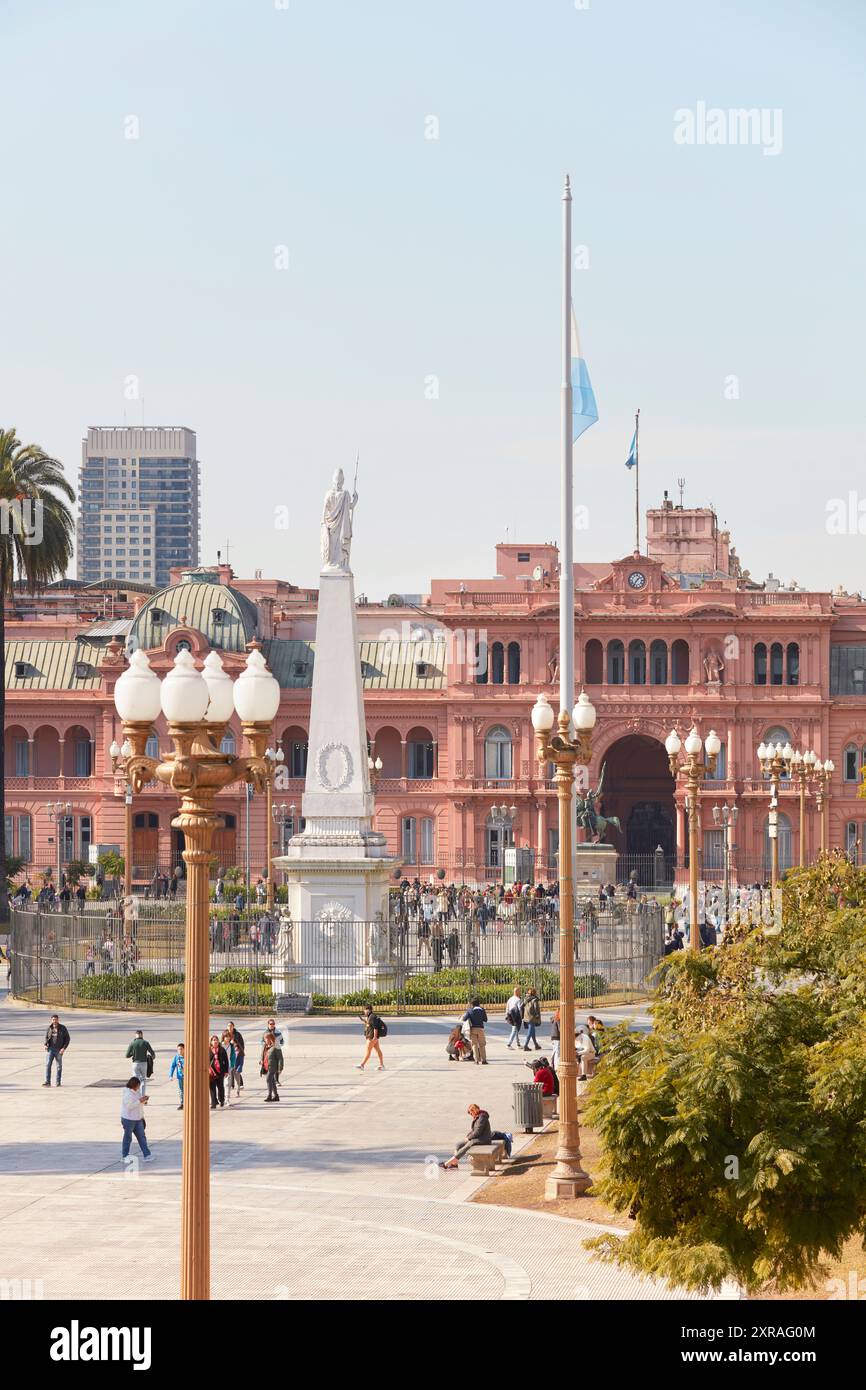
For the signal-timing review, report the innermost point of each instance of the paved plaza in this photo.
(333, 1194)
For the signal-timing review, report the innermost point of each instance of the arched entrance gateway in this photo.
(639, 789)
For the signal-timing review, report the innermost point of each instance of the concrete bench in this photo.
(483, 1159)
(548, 1107)
(498, 1147)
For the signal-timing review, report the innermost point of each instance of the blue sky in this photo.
(304, 127)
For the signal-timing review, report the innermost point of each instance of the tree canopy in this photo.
(735, 1132)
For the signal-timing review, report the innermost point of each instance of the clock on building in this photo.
(636, 580)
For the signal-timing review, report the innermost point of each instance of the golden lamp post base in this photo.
(564, 1189)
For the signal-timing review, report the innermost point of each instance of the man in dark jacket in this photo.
(56, 1043)
(479, 1133)
(476, 1017)
(142, 1056)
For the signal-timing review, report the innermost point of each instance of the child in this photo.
(177, 1070)
(457, 1046)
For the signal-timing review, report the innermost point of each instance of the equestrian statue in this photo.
(593, 822)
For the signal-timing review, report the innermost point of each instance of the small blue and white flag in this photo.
(632, 453)
(584, 409)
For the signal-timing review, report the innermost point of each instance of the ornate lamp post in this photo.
(119, 755)
(275, 760)
(198, 706)
(776, 762)
(803, 767)
(568, 1178)
(726, 816)
(694, 769)
(58, 811)
(823, 773)
(374, 767)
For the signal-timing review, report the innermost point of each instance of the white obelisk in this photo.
(337, 868)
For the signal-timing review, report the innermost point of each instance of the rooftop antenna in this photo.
(681, 482)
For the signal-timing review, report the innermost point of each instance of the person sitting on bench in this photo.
(479, 1133)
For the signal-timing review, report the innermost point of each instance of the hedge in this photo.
(230, 989)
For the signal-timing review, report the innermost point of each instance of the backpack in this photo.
(380, 1026)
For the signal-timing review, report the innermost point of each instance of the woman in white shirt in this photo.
(132, 1105)
(586, 1055)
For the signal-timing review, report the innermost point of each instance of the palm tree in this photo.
(36, 531)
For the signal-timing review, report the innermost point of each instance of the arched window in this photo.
(513, 663)
(481, 663)
(615, 662)
(793, 663)
(497, 664)
(786, 858)
(760, 663)
(637, 662)
(850, 763)
(593, 662)
(680, 662)
(227, 743)
(658, 663)
(776, 664)
(151, 748)
(497, 754)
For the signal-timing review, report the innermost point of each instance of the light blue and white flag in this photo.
(632, 453)
(584, 408)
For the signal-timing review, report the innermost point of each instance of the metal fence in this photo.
(98, 959)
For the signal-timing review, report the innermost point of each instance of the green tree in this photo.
(76, 870)
(735, 1132)
(35, 548)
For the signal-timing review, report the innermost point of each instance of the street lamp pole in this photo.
(569, 1179)
(275, 761)
(823, 773)
(726, 816)
(776, 762)
(694, 769)
(198, 706)
(58, 811)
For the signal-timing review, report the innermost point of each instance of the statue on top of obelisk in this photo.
(337, 524)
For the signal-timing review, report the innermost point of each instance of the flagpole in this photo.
(566, 542)
(636, 484)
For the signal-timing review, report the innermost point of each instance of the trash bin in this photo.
(527, 1105)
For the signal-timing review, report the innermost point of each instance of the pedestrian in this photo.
(476, 1017)
(142, 1055)
(56, 1043)
(240, 1052)
(514, 1016)
(100, 881)
(65, 896)
(176, 1069)
(586, 1055)
(452, 944)
(90, 960)
(80, 896)
(172, 887)
(261, 891)
(595, 1028)
(532, 1018)
(457, 1046)
(555, 1034)
(479, 1133)
(272, 1066)
(437, 942)
(232, 1054)
(277, 1032)
(542, 1074)
(217, 1071)
(132, 1119)
(374, 1029)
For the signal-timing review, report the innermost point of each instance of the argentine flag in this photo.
(584, 409)
(632, 453)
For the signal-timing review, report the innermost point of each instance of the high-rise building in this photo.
(139, 511)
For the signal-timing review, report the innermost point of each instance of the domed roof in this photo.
(224, 616)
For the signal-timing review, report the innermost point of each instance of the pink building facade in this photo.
(676, 636)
